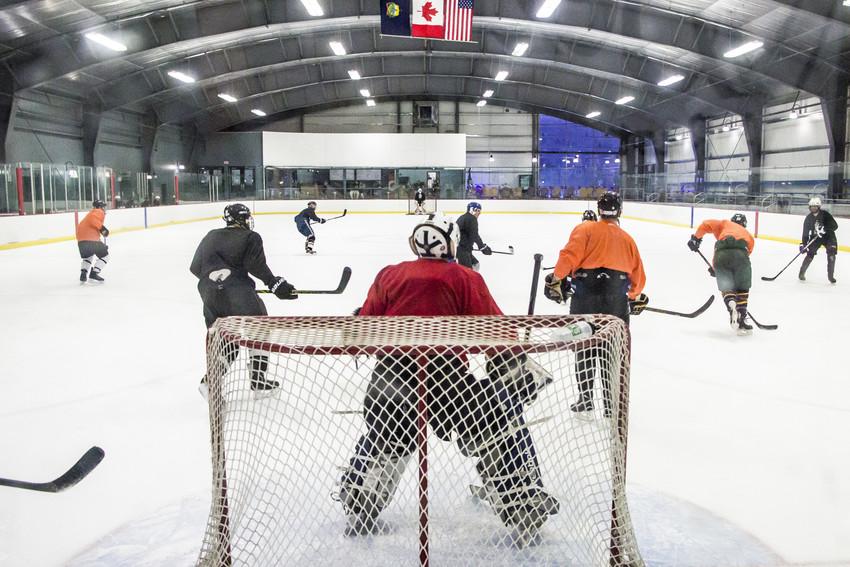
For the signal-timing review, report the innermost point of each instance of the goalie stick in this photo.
(75, 474)
(800, 253)
(691, 315)
(760, 326)
(343, 283)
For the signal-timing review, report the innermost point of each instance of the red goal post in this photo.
(488, 464)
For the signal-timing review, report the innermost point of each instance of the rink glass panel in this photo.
(279, 456)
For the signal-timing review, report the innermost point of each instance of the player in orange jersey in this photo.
(89, 232)
(601, 268)
(731, 265)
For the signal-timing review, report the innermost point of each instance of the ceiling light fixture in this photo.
(227, 97)
(257, 112)
(106, 42)
(488, 93)
(520, 49)
(624, 100)
(671, 80)
(370, 102)
(481, 103)
(593, 114)
(365, 93)
(492, 158)
(183, 77)
(547, 8)
(501, 76)
(354, 74)
(337, 48)
(313, 7)
(743, 49)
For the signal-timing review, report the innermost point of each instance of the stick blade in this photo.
(80, 470)
(767, 279)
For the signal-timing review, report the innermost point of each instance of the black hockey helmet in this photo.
(239, 215)
(98, 204)
(588, 215)
(739, 218)
(312, 204)
(610, 205)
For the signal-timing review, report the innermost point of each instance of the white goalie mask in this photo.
(436, 238)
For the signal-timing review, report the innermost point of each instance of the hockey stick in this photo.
(691, 315)
(75, 474)
(760, 326)
(535, 280)
(510, 251)
(343, 283)
(344, 212)
(800, 253)
(710, 267)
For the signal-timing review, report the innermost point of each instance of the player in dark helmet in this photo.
(89, 231)
(302, 223)
(819, 229)
(468, 225)
(607, 276)
(224, 262)
(588, 215)
(731, 265)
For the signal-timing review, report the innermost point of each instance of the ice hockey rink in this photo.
(738, 446)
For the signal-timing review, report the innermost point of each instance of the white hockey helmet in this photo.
(435, 239)
(815, 202)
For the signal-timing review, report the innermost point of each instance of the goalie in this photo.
(485, 415)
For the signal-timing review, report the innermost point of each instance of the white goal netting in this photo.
(418, 440)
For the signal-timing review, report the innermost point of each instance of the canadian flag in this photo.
(427, 19)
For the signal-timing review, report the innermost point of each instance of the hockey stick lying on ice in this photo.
(510, 251)
(75, 474)
(344, 212)
(800, 253)
(760, 326)
(696, 313)
(343, 283)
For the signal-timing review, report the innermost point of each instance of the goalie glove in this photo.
(282, 289)
(558, 291)
(638, 304)
(694, 243)
(104, 231)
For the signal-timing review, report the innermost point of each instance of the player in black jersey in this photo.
(302, 222)
(467, 223)
(821, 226)
(224, 262)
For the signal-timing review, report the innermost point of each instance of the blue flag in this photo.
(395, 17)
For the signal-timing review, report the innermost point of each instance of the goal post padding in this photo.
(417, 441)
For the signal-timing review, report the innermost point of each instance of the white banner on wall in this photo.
(286, 149)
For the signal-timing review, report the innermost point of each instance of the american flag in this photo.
(458, 24)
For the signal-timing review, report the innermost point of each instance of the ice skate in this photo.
(84, 276)
(733, 314)
(583, 408)
(364, 494)
(95, 277)
(203, 389)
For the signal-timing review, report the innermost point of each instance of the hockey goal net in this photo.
(428, 206)
(418, 440)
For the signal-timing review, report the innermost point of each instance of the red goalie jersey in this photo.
(429, 288)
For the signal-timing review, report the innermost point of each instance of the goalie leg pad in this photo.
(523, 377)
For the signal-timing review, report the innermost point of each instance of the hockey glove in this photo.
(104, 231)
(694, 243)
(323, 221)
(356, 311)
(803, 248)
(638, 304)
(558, 291)
(487, 251)
(283, 289)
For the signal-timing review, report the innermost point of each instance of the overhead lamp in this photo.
(670, 80)
(313, 7)
(257, 112)
(492, 158)
(520, 49)
(227, 97)
(370, 102)
(624, 100)
(607, 162)
(743, 49)
(593, 114)
(547, 8)
(793, 114)
(354, 74)
(182, 77)
(481, 103)
(501, 76)
(72, 173)
(534, 159)
(617, 160)
(106, 42)
(337, 48)
(726, 127)
(365, 93)
(847, 2)
(488, 93)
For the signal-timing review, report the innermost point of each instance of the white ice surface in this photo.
(739, 447)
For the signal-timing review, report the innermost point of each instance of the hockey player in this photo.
(821, 226)
(302, 222)
(468, 226)
(588, 215)
(419, 197)
(89, 231)
(731, 265)
(607, 276)
(224, 262)
(486, 415)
